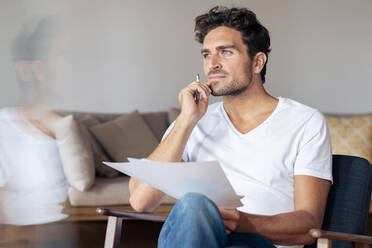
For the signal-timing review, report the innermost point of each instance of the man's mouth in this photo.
(216, 76)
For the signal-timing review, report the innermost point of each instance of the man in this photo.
(274, 151)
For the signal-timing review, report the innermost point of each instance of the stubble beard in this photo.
(234, 88)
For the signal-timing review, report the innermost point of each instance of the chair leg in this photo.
(113, 232)
(324, 243)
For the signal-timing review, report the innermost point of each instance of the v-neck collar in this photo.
(260, 126)
(21, 123)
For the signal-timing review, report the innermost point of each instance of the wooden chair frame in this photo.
(115, 220)
(115, 223)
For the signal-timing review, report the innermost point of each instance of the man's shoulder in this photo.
(299, 110)
(214, 108)
(296, 114)
(213, 113)
(212, 118)
(297, 106)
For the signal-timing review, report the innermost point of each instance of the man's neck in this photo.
(252, 103)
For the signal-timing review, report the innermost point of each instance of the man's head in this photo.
(235, 48)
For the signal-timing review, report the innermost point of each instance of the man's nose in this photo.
(215, 63)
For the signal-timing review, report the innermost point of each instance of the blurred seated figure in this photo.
(31, 171)
(32, 181)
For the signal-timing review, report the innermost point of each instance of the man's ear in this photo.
(259, 61)
(38, 70)
(24, 71)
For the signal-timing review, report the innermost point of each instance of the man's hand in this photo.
(192, 110)
(143, 197)
(230, 219)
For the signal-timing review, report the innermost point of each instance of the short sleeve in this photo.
(314, 157)
(167, 132)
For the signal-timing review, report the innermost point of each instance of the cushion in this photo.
(173, 114)
(126, 136)
(76, 154)
(351, 135)
(106, 192)
(86, 121)
(157, 122)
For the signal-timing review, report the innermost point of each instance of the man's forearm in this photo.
(145, 198)
(172, 147)
(283, 229)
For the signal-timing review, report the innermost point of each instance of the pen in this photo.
(197, 96)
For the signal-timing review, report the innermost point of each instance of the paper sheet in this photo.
(177, 179)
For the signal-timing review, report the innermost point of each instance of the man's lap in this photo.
(247, 240)
(206, 219)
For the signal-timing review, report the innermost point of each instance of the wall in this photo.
(123, 55)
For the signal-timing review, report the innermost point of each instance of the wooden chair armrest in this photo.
(321, 234)
(132, 215)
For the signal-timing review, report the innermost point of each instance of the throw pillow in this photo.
(76, 154)
(351, 135)
(87, 121)
(157, 122)
(126, 136)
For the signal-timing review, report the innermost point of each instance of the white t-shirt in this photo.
(31, 172)
(262, 163)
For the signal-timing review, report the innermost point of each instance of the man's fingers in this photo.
(202, 89)
(206, 87)
(229, 214)
(230, 219)
(229, 226)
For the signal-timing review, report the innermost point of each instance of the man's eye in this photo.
(226, 52)
(206, 55)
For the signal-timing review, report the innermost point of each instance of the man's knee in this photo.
(196, 204)
(195, 200)
(196, 217)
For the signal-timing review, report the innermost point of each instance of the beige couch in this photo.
(114, 137)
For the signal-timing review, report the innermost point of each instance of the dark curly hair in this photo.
(254, 35)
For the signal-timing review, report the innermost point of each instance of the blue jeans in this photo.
(196, 222)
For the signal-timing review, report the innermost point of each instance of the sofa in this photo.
(114, 137)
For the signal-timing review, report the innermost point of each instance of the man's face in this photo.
(226, 62)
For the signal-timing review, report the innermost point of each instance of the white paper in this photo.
(177, 179)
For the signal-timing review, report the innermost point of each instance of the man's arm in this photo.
(143, 197)
(287, 228)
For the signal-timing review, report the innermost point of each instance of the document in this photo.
(177, 179)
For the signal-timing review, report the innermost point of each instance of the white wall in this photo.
(124, 55)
